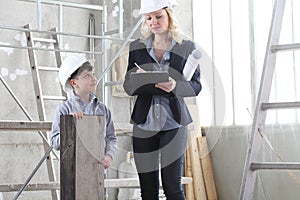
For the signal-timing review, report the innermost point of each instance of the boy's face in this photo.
(85, 83)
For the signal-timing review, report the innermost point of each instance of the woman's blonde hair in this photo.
(174, 29)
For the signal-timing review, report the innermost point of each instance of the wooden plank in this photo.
(14, 125)
(30, 187)
(6, 125)
(189, 189)
(198, 180)
(134, 182)
(67, 157)
(108, 183)
(207, 169)
(82, 146)
(89, 150)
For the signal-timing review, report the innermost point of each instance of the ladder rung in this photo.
(54, 98)
(285, 47)
(276, 165)
(280, 105)
(45, 40)
(48, 68)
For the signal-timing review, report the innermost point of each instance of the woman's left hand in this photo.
(167, 86)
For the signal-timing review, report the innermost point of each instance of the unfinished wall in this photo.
(228, 150)
(21, 151)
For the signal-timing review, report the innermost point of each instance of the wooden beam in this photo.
(134, 182)
(108, 183)
(30, 187)
(25, 126)
(198, 180)
(207, 169)
(189, 189)
(81, 149)
(9, 125)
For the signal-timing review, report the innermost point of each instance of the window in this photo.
(233, 35)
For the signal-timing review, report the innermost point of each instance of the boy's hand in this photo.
(77, 115)
(106, 161)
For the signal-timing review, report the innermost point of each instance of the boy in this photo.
(77, 78)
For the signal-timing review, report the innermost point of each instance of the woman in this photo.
(160, 115)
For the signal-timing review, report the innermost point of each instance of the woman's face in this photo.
(158, 21)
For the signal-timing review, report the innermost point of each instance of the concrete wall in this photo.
(21, 151)
(228, 147)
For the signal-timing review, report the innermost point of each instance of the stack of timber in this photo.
(198, 165)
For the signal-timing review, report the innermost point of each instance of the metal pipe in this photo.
(33, 173)
(25, 112)
(92, 32)
(38, 14)
(276, 165)
(285, 47)
(232, 65)
(59, 33)
(60, 26)
(252, 50)
(121, 15)
(121, 49)
(68, 4)
(280, 105)
(46, 49)
(103, 46)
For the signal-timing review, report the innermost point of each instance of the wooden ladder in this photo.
(40, 97)
(263, 105)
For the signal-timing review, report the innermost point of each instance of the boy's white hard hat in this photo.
(148, 6)
(69, 65)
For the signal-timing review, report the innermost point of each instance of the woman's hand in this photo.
(140, 70)
(167, 86)
(106, 161)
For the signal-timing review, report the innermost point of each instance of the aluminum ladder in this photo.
(263, 105)
(40, 98)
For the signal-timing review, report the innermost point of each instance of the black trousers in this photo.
(158, 153)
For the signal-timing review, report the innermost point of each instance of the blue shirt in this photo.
(94, 107)
(160, 116)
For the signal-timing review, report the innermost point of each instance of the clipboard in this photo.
(144, 82)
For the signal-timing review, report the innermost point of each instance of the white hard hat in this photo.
(69, 65)
(148, 6)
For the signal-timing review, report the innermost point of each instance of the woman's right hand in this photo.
(140, 70)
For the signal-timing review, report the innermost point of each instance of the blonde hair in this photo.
(174, 29)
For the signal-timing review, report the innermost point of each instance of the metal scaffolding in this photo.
(41, 126)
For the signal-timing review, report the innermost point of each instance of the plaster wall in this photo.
(228, 147)
(21, 151)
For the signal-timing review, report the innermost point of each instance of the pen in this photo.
(137, 66)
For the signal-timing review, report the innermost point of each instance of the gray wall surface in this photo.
(228, 147)
(21, 151)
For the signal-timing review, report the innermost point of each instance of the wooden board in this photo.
(108, 183)
(198, 181)
(82, 146)
(207, 169)
(89, 150)
(189, 190)
(25, 125)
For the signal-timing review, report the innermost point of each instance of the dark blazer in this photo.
(178, 56)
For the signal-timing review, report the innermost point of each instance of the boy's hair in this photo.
(83, 67)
